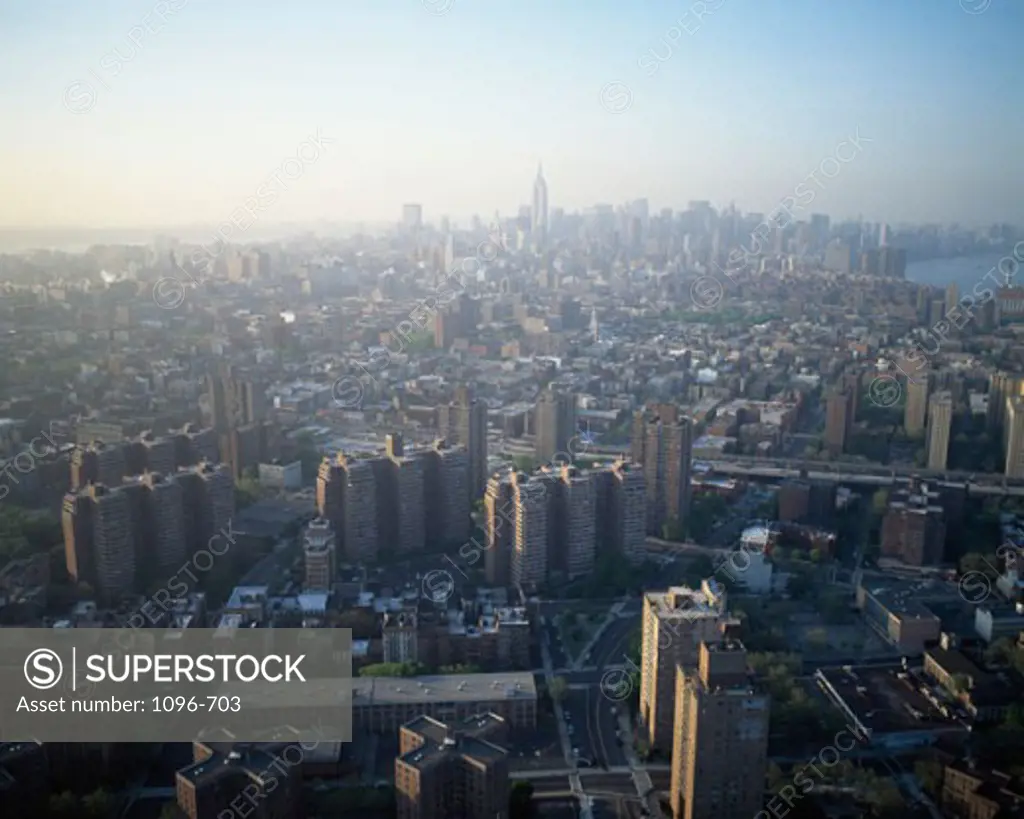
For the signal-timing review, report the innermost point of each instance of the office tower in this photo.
(838, 257)
(347, 497)
(892, 262)
(952, 297)
(720, 753)
(675, 623)
(1002, 385)
(838, 420)
(573, 507)
(883, 235)
(97, 463)
(99, 544)
(445, 499)
(940, 418)
(412, 217)
(915, 414)
(452, 771)
(595, 332)
(499, 528)
(555, 418)
(464, 422)
(1014, 437)
(320, 552)
(539, 214)
(449, 251)
(662, 445)
(528, 567)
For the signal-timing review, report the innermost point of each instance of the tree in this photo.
(171, 810)
(558, 689)
(392, 670)
(672, 530)
(520, 802)
(817, 639)
(247, 492)
(98, 805)
(929, 774)
(524, 463)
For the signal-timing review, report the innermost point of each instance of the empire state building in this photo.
(540, 208)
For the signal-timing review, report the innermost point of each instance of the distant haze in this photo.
(115, 118)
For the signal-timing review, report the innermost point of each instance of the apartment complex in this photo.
(1001, 386)
(915, 414)
(839, 419)
(241, 779)
(119, 539)
(383, 704)
(528, 566)
(675, 623)
(464, 422)
(720, 750)
(320, 554)
(940, 421)
(662, 446)
(1013, 437)
(398, 503)
(914, 529)
(452, 769)
(555, 422)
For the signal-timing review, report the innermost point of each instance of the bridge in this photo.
(865, 474)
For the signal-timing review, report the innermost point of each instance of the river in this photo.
(966, 271)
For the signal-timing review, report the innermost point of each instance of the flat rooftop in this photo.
(886, 700)
(367, 691)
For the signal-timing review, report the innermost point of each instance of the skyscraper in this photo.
(412, 217)
(662, 447)
(915, 416)
(445, 493)
(952, 297)
(1014, 437)
(99, 540)
(838, 420)
(1002, 385)
(555, 419)
(940, 419)
(720, 752)
(675, 623)
(539, 213)
(320, 552)
(464, 422)
(529, 558)
(499, 527)
(346, 495)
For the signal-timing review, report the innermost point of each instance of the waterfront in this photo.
(966, 271)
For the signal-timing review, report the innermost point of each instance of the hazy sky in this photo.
(453, 104)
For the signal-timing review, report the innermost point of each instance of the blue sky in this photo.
(454, 110)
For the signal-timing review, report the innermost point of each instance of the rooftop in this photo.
(368, 691)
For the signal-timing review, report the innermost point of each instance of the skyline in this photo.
(455, 110)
